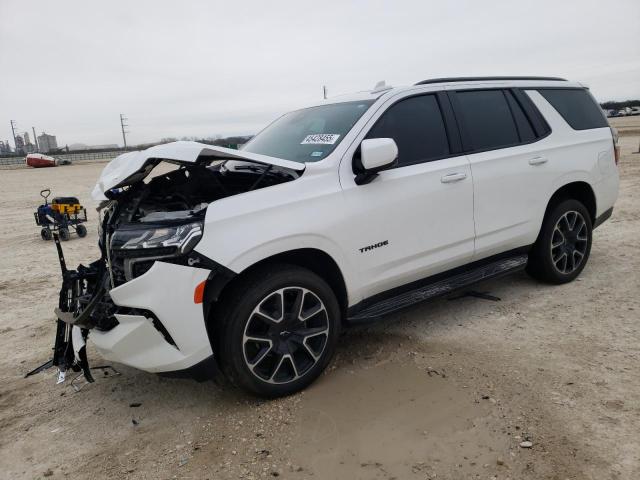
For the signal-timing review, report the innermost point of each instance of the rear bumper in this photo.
(176, 339)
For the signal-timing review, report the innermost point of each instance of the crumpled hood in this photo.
(132, 167)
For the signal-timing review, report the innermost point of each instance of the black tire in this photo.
(64, 233)
(81, 230)
(296, 353)
(563, 245)
(45, 233)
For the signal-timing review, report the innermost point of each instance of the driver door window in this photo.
(417, 126)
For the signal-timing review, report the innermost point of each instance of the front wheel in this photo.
(563, 246)
(64, 233)
(81, 230)
(279, 330)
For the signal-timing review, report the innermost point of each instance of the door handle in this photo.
(537, 161)
(453, 177)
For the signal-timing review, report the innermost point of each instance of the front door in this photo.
(416, 219)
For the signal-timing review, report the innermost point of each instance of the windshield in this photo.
(308, 135)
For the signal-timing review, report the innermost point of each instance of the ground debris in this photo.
(432, 371)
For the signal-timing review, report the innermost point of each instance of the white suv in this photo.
(336, 214)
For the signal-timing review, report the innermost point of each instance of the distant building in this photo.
(5, 147)
(28, 146)
(47, 143)
(19, 145)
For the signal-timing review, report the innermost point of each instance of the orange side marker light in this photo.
(198, 294)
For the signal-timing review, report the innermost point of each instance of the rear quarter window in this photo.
(576, 106)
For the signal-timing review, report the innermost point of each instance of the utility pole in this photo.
(13, 131)
(35, 139)
(324, 91)
(124, 132)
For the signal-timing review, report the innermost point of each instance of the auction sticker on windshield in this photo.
(320, 139)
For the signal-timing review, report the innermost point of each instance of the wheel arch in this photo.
(581, 191)
(316, 260)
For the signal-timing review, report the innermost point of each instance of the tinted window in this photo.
(487, 118)
(577, 107)
(308, 135)
(525, 130)
(417, 127)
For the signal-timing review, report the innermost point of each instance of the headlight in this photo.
(177, 238)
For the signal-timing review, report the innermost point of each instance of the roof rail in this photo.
(476, 79)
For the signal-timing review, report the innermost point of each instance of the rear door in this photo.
(500, 129)
(415, 219)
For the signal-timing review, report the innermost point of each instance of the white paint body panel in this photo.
(166, 290)
(428, 224)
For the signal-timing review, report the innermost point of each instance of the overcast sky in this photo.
(200, 68)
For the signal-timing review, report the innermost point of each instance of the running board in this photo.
(495, 269)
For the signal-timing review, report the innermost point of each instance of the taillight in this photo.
(616, 148)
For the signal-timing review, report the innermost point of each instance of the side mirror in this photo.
(376, 154)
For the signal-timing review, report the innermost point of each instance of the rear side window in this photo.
(417, 126)
(488, 120)
(576, 106)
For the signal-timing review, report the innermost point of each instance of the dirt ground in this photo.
(445, 390)
(626, 125)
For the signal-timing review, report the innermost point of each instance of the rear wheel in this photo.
(64, 233)
(563, 246)
(279, 331)
(81, 230)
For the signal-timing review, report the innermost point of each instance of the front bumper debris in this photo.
(150, 322)
(69, 350)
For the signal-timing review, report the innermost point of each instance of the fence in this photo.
(72, 157)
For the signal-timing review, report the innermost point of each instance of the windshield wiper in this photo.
(264, 174)
(264, 170)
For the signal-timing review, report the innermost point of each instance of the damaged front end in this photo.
(151, 228)
(80, 307)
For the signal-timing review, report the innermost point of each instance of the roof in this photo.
(382, 90)
(485, 79)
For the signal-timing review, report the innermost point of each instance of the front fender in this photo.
(260, 251)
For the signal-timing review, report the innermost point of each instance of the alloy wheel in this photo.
(285, 335)
(569, 242)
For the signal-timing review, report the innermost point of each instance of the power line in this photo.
(124, 132)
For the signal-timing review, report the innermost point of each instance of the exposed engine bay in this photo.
(162, 219)
(187, 190)
(140, 223)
